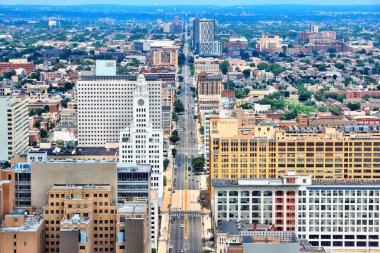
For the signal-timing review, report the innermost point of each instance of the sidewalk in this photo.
(166, 202)
(207, 226)
(165, 234)
(199, 136)
(167, 198)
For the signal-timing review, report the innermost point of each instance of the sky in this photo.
(187, 2)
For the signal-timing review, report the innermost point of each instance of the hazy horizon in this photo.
(188, 2)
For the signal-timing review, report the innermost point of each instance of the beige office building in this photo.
(208, 64)
(165, 56)
(89, 209)
(22, 233)
(45, 174)
(132, 228)
(209, 84)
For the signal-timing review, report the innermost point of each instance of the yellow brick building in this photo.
(267, 152)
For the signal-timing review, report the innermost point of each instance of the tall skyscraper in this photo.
(204, 37)
(105, 106)
(14, 127)
(141, 143)
(314, 28)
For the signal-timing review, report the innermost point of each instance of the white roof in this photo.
(162, 43)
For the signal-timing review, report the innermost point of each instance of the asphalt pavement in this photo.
(183, 179)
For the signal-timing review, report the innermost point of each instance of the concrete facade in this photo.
(43, 175)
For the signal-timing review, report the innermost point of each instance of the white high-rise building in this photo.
(14, 127)
(105, 106)
(204, 37)
(141, 143)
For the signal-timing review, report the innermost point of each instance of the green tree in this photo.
(174, 152)
(262, 66)
(341, 97)
(347, 81)
(60, 143)
(239, 93)
(37, 111)
(292, 114)
(9, 74)
(64, 102)
(276, 69)
(246, 73)
(246, 106)
(166, 163)
(175, 117)
(6, 165)
(353, 106)
(69, 85)
(178, 106)
(198, 163)
(224, 66)
(174, 137)
(43, 133)
(304, 95)
(365, 97)
(201, 130)
(37, 124)
(339, 65)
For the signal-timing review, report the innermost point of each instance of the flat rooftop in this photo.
(246, 231)
(21, 168)
(76, 220)
(82, 151)
(280, 182)
(32, 223)
(236, 227)
(68, 160)
(79, 186)
(353, 182)
(133, 208)
(141, 168)
(252, 182)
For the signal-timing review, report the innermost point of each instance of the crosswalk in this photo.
(188, 215)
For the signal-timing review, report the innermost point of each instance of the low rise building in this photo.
(133, 228)
(14, 64)
(241, 237)
(208, 64)
(23, 233)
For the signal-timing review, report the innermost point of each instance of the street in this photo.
(186, 224)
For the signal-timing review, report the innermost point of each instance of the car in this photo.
(182, 226)
(182, 251)
(179, 164)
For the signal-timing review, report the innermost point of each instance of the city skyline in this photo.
(189, 2)
(189, 127)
